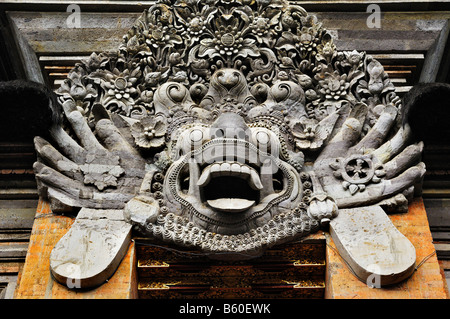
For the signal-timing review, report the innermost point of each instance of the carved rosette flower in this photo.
(357, 172)
(263, 26)
(307, 40)
(149, 132)
(119, 88)
(196, 25)
(195, 16)
(161, 36)
(334, 86)
(354, 58)
(101, 173)
(304, 131)
(228, 40)
(75, 89)
(118, 91)
(326, 50)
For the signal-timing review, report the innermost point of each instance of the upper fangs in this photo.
(231, 169)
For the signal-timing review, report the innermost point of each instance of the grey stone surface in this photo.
(374, 249)
(90, 252)
(230, 133)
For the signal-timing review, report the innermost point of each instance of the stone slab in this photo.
(90, 252)
(425, 283)
(36, 281)
(372, 246)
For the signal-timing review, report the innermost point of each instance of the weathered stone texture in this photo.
(36, 281)
(425, 283)
(231, 133)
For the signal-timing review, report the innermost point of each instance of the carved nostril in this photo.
(241, 135)
(219, 133)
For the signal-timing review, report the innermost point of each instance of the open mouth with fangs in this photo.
(230, 186)
(232, 194)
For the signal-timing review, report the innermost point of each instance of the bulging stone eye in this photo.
(262, 138)
(196, 136)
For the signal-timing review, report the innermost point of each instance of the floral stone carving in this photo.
(227, 126)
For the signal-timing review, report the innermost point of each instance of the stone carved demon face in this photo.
(226, 173)
(232, 174)
(227, 126)
(231, 171)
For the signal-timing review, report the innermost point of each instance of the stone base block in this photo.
(36, 281)
(426, 282)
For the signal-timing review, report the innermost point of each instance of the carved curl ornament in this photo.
(229, 126)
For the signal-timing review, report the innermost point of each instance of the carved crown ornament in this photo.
(229, 126)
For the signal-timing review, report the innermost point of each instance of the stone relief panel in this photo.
(229, 126)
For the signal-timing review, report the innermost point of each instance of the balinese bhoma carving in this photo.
(229, 126)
